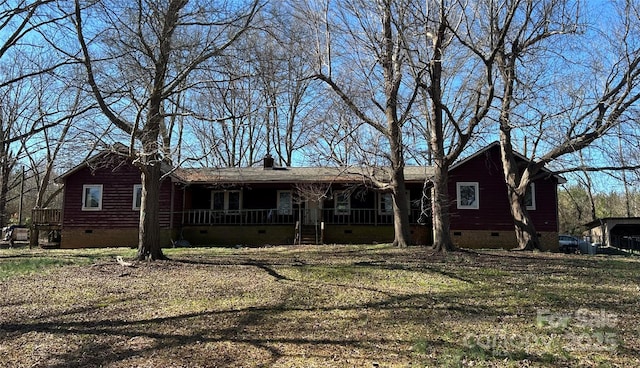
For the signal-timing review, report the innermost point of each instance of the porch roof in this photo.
(296, 175)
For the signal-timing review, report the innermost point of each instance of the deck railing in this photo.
(46, 216)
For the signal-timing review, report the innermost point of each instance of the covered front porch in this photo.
(304, 216)
(302, 226)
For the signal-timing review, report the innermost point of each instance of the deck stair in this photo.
(310, 234)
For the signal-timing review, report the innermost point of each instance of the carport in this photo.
(619, 232)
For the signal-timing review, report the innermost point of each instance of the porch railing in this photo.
(330, 216)
(240, 217)
(362, 216)
(359, 216)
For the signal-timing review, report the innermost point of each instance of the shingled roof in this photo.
(266, 174)
(248, 175)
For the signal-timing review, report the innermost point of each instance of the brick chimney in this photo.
(268, 162)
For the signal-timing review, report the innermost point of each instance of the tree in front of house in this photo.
(456, 76)
(141, 59)
(361, 58)
(557, 114)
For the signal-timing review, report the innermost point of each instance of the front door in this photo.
(312, 212)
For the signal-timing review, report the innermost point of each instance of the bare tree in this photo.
(563, 121)
(230, 129)
(362, 59)
(283, 64)
(13, 112)
(23, 27)
(338, 138)
(145, 53)
(43, 156)
(23, 35)
(267, 103)
(456, 78)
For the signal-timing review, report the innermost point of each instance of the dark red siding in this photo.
(117, 198)
(493, 212)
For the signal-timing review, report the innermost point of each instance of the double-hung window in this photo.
(92, 197)
(228, 201)
(468, 196)
(342, 203)
(285, 202)
(385, 205)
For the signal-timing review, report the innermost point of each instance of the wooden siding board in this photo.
(117, 199)
(493, 212)
(545, 216)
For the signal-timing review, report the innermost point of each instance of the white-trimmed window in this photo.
(92, 197)
(342, 203)
(228, 200)
(285, 202)
(468, 196)
(530, 197)
(137, 196)
(385, 205)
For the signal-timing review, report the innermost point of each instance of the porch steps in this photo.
(308, 235)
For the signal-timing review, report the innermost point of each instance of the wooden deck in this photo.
(42, 217)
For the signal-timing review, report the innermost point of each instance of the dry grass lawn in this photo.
(326, 306)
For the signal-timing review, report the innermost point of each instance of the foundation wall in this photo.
(239, 235)
(102, 238)
(478, 239)
(284, 235)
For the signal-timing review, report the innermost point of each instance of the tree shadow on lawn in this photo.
(523, 272)
(263, 335)
(254, 328)
(109, 343)
(160, 343)
(108, 340)
(425, 268)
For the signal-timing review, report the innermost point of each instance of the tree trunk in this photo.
(149, 247)
(5, 173)
(526, 234)
(402, 234)
(4, 191)
(391, 64)
(441, 226)
(517, 184)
